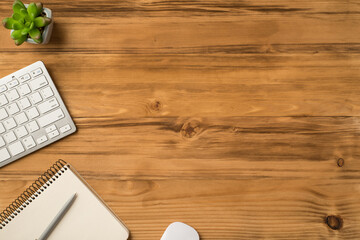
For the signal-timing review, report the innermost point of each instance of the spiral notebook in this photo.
(88, 218)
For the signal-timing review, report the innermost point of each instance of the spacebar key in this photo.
(51, 117)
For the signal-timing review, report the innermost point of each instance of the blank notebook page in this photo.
(87, 218)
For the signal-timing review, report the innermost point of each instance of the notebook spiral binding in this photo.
(32, 192)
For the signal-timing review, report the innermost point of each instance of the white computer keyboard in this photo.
(32, 113)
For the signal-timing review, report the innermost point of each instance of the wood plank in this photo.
(164, 35)
(126, 86)
(208, 148)
(229, 209)
(164, 25)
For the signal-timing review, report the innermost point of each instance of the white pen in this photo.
(57, 218)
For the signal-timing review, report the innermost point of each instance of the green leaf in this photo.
(16, 34)
(18, 17)
(35, 34)
(8, 23)
(39, 7)
(18, 26)
(27, 18)
(23, 12)
(20, 41)
(39, 22)
(20, 3)
(38, 40)
(32, 11)
(32, 25)
(18, 6)
(42, 21)
(25, 31)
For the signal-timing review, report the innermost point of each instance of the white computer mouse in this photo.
(180, 231)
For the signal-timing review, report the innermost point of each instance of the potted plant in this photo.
(30, 22)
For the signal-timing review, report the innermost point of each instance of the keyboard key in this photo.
(32, 113)
(24, 103)
(21, 118)
(4, 154)
(35, 98)
(48, 105)
(24, 89)
(38, 83)
(10, 123)
(12, 95)
(29, 142)
(3, 114)
(65, 128)
(3, 88)
(2, 142)
(47, 92)
(41, 139)
(50, 129)
(10, 137)
(36, 72)
(2, 128)
(21, 131)
(54, 134)
(12, 108)
(32, 126)
(16, 148)
(51, 117)
(3, 100)
(24, 78)
(13, 83)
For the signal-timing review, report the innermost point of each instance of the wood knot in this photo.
(156, 105)
(340, 162)
(190, 129)
(334, 222)
(236, 129)
(268, 48)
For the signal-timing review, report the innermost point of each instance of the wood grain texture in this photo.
(240, 118)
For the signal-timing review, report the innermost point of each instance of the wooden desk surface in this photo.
(227, 115)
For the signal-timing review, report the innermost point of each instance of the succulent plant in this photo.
(26, 22)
